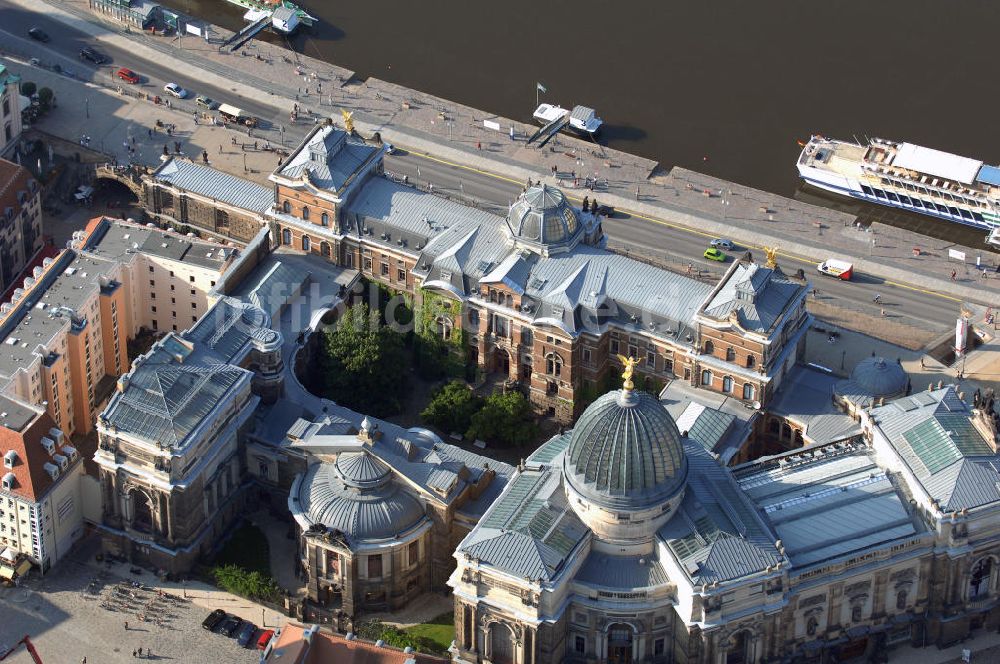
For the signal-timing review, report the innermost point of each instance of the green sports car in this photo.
(714, 254)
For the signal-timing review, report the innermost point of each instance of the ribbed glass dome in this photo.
(879, 378)
(625, 452)
(542, 216)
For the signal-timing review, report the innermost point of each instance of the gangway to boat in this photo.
(546, 133)
(247, 33)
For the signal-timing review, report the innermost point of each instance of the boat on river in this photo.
(301, 15)
(581, 120)
(906, 176)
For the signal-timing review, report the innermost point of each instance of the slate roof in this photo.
(621, 573)
(227, 329)
(530, 531)
(934, 436)
(716, 535)
(162, 399)
(705, 426)
(215, 184)
(839, 486)
(806, 397)
(330, 156)
(758, 295)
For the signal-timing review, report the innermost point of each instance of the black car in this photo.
(605, 210)
(38, 34)
(228, 626)
(213, 619)
(92, 55)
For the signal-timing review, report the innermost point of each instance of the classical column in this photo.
(170, 519)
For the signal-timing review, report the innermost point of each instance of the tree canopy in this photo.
(452, 407)
(504, 419)
(361, 362)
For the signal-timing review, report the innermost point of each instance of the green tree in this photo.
(45, 96)
(235, 579)
(28, 88)
(361, 363)
(452, 407)
(504, 419)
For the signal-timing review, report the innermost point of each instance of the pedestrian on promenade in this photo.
(234, 140)
(166, 151)
(953, 273)
(170, 130)
(126, 625)
(255, 145)
(479, 145)
(140, 652)
(512, 132)
(149, 133)
(220, 149)
(133, 654)
(586, 203)
(195, 116)
(637, 192)
(921, 363)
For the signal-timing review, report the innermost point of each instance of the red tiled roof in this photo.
(328, 647)
(32, 479)
(13, 178)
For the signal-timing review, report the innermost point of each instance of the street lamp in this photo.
(86, 106)
(281, 128)
(244, 162)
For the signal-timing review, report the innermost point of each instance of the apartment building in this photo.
(20, 220)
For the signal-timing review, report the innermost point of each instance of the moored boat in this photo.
(581, 120)
(301, 15)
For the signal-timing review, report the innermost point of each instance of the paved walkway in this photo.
(454, 132)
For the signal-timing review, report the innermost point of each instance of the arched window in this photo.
(553, 365)
(979, 582)
(324, 219)
(706, 377)
(857, 612)
(730, 354)
(510, 300)
(709, 348)
(727, 384)
(305, 243)
(901, 600)
(324, 248)
(749, 391)
(286, 236)
(773, 425)
(811, 626)
(501, 644)
(444, 327)
(305, 213)
(750, 361)
(286, 207)
(493, 295)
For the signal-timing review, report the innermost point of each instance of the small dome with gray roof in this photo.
(543, 221)
(356, 496)
(625, 453)
(877, 377)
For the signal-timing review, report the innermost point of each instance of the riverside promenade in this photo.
(455, 133)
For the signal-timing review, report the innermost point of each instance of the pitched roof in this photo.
(14, 179)
(298, 644)
(330, 157)
(216, 184)
(22, 433)
(758, 295)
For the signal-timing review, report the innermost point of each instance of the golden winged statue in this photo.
(772, 257)
(629, 363)
(348, 120)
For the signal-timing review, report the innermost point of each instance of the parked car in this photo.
(175, 90)
(127, 75)
(714, 254)
(38, 34)
(389, 148)
(213, 619)
(227, 626)
(206, 102)
(264, 639)
(245, 633)
(92, 55)
(605, 210)
(721, 243)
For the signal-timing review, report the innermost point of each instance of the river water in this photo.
(724, 87)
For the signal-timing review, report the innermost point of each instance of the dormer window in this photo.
(10, 459)
(8, 481)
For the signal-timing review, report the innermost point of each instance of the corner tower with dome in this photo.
(614, 542)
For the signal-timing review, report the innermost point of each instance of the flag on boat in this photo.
(802, 144)
(541, 88)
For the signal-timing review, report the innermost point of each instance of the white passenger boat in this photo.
(581, 120)
(907, 176)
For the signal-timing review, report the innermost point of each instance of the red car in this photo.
(264, 639)
(127, 75)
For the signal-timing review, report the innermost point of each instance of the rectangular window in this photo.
(614, 346)
(150, 268)
(191, 278)
(374, 567)
(383, 269)
(414, 553)
(401, 275)
(587, 357)
(658, 647)
(368, 265)
(581, 644)
(651, 359)
(152, 282)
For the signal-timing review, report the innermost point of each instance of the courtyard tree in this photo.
(28, 88)
(452, 407)
(504, 419)
(361, 361)
(45, 96)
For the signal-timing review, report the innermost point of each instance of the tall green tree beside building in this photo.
(452, 407)
(505, 419)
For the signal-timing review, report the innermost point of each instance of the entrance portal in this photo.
(620, 644)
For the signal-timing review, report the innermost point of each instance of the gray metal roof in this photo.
(15, 415)
(705, 426)
(542, 217)
(874, 378)
(933, 434)
(227, 330)
(621, 573)
(381, 512)
(757, 294)
(330, 157)
(806, 397)
(211, 183)
(118, 240)
(625, 452)
(716, 535)
(839, 486)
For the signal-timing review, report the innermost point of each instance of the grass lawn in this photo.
(441, 630)
(248, 549)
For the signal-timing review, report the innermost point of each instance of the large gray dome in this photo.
(878, 378)
(625, 452)
(542, 219)
(380, 512)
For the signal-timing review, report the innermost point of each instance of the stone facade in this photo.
(202, 213)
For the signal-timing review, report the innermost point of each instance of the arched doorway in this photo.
(142, 511)
(739, 650)
(620, 643)
(979, 581)
(501, 644)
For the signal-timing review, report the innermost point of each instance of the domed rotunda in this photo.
(625, 465)
(543, 221)
(874, 379)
